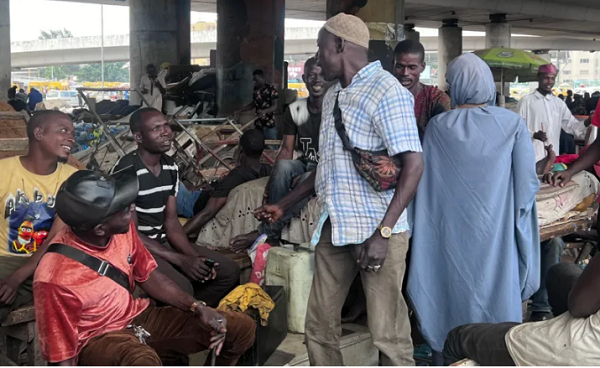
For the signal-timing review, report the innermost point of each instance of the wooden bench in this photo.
(19, 331)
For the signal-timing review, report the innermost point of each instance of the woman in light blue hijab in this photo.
(476, 249)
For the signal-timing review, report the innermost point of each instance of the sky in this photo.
(30, 17)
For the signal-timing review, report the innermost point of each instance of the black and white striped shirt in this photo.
(154, 192)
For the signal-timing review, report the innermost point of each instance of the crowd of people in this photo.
(21, 101)
(388, 158)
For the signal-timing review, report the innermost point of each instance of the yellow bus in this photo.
(47, 86)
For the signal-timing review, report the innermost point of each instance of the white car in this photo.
(70, 97)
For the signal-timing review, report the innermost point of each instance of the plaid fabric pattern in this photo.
(378, 114)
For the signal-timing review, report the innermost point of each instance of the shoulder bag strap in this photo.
(102, 267)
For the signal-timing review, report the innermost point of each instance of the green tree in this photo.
(54, 34)
(113, 72)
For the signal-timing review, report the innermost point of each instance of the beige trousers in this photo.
(335, 269)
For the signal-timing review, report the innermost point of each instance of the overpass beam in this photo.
(544, 54)
(5, 81)
(250, 36)
(450, 46)
(159, 32)
(385, 20)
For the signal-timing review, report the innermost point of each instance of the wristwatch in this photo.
(195, 305)
(385, 231)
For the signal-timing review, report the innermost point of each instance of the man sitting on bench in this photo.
(302, 122)
(156, 214)
(85, 310)
(569, 339)
(28, 186)
(252, 145)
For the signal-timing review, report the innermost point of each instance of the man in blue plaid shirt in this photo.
(361, 229)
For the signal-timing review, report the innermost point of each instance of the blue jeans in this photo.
(551, 252)
(185, 201)
(270, 135)
(282, 177)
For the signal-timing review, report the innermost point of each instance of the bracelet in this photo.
(196, 304)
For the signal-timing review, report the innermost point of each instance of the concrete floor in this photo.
(356, 345)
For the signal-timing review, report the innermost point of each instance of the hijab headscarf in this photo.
(471, 81)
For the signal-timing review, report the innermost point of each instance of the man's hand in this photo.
(373, 253)
(8, 291)
(194, 268)
(211, 319)
(559, 178)
(144, 91)
(269, 212)
(540, 136)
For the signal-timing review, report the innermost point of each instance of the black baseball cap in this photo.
(87, 197)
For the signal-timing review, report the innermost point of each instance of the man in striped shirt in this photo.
(156, 214)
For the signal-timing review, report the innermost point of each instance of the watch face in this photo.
(386, 232)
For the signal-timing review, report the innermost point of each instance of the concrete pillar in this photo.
(5, 78)
(160, 31)
(498, 34)
(250, 36)
(450, 46)
(385, 19)
(410, 33)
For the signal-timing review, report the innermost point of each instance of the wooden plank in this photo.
(566, 228)
(20, 315)
(34, 351)
(13, 144)
(5, 361)
(24, 331)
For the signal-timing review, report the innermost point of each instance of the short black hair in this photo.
(258, 72)
(253, 143)
(310, 63)
(41, 118)
(410, 47)
(135, 121)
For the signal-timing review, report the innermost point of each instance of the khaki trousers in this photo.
(335, 269)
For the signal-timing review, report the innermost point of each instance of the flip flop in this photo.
(260, 240)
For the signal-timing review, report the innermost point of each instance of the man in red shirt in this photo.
(82, 288)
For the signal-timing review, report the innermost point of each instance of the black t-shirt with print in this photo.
(307, 134)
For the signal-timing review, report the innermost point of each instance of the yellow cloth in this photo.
(248, 296)
(28, 201)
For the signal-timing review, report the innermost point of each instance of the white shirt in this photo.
(548, 114)
(154, 97)
(561, 341)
